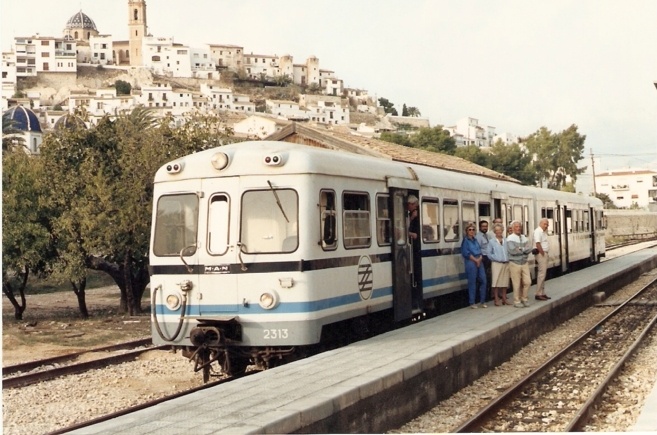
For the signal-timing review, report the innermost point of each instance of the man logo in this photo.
(365, 277)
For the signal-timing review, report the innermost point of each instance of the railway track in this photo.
(20, 375)
(561, 394)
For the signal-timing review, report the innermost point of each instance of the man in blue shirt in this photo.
(474, 267)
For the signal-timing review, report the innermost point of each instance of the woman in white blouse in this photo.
(499, 258)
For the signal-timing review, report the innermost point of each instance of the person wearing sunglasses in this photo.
(474, 266)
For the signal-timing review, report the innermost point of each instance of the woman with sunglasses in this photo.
(474, 266)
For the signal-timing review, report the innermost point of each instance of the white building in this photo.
(287, 109)
(203, 66)
(219, 98)
(8, 78)
(100, 102)
(257, 127)
(36, 54)
(164, 57)
(325, 109)
(506, 138)
(227, 56)
(629, 188)
(101, 49)
(471, 133)
(258, 66)
(242, 103)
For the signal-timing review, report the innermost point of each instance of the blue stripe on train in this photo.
(298, 307)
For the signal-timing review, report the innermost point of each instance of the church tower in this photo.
(137, 29)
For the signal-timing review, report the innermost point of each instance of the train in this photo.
(262, 249)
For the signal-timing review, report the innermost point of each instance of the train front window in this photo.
(270, 221)
(218, 219)
(176, 225)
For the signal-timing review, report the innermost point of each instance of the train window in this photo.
(451, 220)
(549, 215)
(327, 223)
(569, 221)
(430, 220)
(270, 221)
(525, 215)
(484, 213)
(468, 213)
(218, 221)
(587, 222)
(176, 225)
(356, 220)
(382, 220)
(517, 214)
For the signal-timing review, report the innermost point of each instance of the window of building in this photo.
(356, 220)
(45, 54)
(46, 43)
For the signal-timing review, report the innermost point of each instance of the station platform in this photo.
(380, 383)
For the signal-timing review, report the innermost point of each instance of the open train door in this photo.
(402, 261)
(564, 226)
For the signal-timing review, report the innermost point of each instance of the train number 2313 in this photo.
(273, 334)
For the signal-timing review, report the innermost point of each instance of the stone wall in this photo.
(631, 224)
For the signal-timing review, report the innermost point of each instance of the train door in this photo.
(220, 255)
(590, 225)
(405, 280)
(567, 228)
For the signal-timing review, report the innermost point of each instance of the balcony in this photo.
(620, 187)
(63, 53)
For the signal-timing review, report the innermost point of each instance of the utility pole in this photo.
(595, 192)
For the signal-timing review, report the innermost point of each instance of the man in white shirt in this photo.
(541, 242)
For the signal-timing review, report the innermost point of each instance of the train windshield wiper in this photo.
(278, 201)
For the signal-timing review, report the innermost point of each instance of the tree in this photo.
(388, 107)
(512, 160)
(122, 87)
(473, 154)
(404, 110)
(26, 242)
(398, 138)
(11, 138)
(434, 139)
(556, 155)
(607, 202)
(414, 112)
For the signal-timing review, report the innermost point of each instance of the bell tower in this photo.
(137, 28)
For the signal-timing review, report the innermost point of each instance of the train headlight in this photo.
(268, 300)
(173, 302)
(219, 160)
(175, 167)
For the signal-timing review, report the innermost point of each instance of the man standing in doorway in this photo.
(541, 242)
(414, 232)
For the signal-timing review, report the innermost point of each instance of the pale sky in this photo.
(515, 65)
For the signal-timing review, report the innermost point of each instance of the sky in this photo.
(515, 65)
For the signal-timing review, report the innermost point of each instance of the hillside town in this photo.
(49, 80)
(52, 77)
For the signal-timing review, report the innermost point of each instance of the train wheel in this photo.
(238, 366)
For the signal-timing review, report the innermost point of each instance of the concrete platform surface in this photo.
(373, 385)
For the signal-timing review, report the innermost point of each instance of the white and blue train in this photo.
(258, 249)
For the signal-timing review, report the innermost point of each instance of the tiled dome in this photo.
(69, 122)
(81, 21)
(24, 119)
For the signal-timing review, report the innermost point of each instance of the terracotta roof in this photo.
(341, 139)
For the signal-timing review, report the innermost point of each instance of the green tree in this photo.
(388, 106)
(473, 154)
(556, 155)
(607, 202)
(434, 139)
(26, 243)
(398, 138)
(122, 87)
(11, 138)
(404, 110)
(512, 160)
(414, 112)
